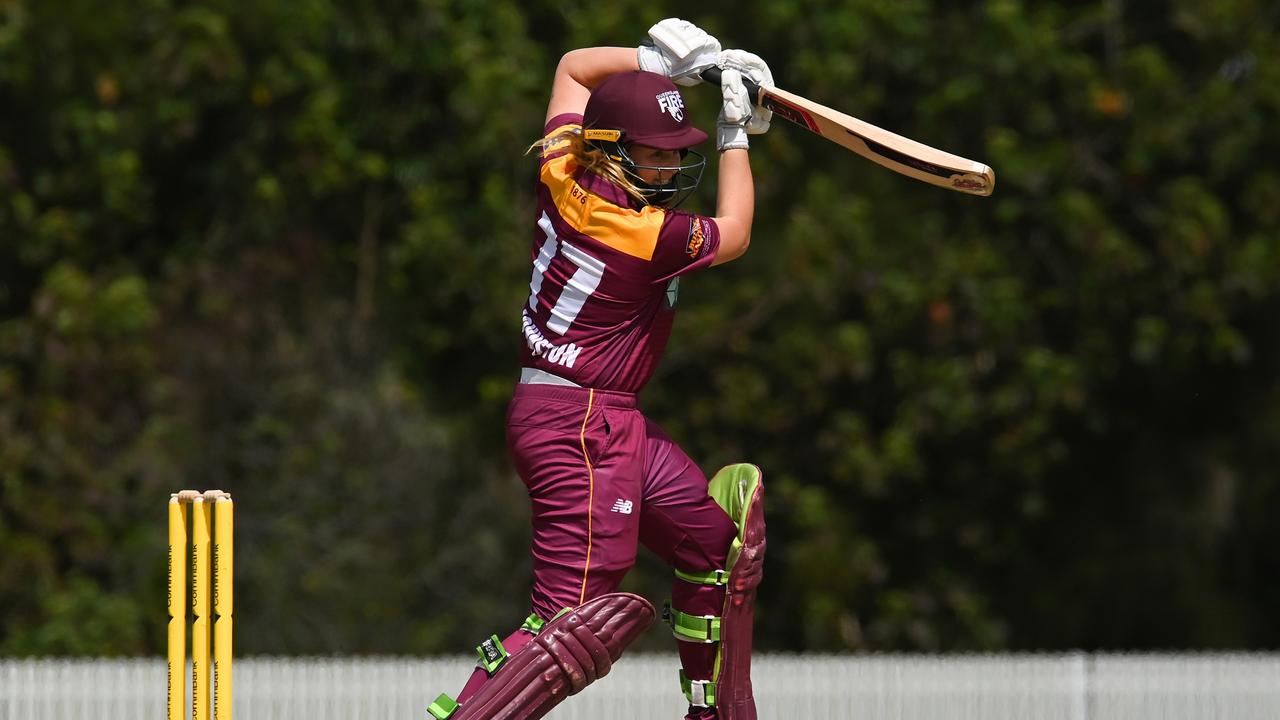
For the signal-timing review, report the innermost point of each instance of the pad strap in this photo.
(533, 624)
(492, 654)
(714, 577)
(691, 628)
(699, 693)
(443, 707)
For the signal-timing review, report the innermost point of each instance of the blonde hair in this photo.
(590, 157)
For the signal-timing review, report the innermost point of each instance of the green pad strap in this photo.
(442, 708)
(492, 654)
(533, 624)
(695, 628)
(714, 577)
(700, 693)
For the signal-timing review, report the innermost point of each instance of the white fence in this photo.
(867, 687)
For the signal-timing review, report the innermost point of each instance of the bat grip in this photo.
(712, 76)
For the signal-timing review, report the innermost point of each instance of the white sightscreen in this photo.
(867, 687)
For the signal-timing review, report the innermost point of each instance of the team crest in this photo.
(671, 102)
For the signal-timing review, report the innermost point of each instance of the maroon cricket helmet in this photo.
(642, 107)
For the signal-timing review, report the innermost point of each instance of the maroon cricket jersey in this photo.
(605, 275)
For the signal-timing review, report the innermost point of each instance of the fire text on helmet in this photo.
(672, 103)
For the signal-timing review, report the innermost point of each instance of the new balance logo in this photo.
(622, 506)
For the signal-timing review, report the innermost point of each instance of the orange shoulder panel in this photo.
(634, 232)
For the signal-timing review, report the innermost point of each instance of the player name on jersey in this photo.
(541, 347)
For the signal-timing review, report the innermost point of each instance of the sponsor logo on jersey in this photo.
(622, 506)
(697, 236)
(672, 103)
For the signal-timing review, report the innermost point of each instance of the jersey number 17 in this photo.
(584, 282)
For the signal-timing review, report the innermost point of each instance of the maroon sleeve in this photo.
(687, 243)
(560, 121)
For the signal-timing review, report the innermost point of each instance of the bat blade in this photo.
(900, 154)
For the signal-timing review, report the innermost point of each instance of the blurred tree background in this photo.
(279, 247)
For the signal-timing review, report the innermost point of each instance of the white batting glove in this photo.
(680, 50)
(735, 112)
(751, 66)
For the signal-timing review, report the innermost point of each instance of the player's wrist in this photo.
(731, 136)
(650, 59)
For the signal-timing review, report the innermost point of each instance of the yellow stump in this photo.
(177, 697)
(201, 555)
(223, 595)
(200, 608)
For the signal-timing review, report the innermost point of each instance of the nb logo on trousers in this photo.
(622, 506)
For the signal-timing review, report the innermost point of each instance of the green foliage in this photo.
(276, 247)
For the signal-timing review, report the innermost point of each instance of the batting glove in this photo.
(752, 66)
(735, 112)
(680, 50)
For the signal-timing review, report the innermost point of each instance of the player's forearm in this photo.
(589, 66)
(581, 70)
(735, 204)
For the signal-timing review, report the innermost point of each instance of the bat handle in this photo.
(712, 76)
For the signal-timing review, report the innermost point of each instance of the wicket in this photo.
(199, 522)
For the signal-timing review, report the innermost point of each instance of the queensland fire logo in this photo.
(671, 102)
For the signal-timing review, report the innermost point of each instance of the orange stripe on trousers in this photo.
(591, 492)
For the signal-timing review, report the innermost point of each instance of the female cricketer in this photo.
(609, 249)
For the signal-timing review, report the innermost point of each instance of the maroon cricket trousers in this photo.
(604, 479)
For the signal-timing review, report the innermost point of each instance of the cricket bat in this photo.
(899, 154)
